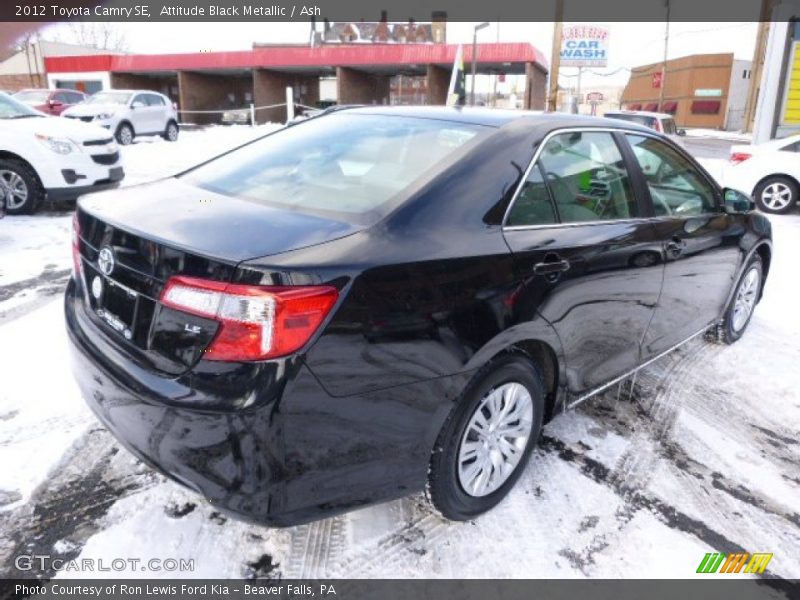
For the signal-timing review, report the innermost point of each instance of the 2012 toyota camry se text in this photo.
(382, 300)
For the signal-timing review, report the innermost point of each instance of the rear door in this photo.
(158, 111)
(586, 253)
(700, 241)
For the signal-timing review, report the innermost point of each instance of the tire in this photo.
(745, 298)
(124, 134)
(453, 488)
(777, 195)
(20, 189)
(171, 132)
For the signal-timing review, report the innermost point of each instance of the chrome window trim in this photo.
(612, 130)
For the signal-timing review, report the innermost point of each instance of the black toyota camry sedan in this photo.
(380, 300)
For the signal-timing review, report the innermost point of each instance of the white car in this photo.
(660, 122)
(50, 157)
(128, 114)
(769, 171)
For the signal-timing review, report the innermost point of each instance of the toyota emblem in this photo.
(105, 260)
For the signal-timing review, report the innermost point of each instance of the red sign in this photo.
(501, 78)
(657, 79)
(594, 96)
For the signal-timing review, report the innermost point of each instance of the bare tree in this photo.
(104, 36)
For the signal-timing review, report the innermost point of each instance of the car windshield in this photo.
(33, 96)
(109, 98)
(350, 165)
(14, 109)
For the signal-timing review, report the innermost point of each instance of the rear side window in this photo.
(533, 205)
(676, 187)
(668, 126)
(154, 100)
(587, 177)
(351, 165)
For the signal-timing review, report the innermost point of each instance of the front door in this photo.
(701, 244)
(589, 262)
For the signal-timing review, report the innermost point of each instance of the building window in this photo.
(706, 107)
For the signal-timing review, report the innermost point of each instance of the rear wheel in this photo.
(776, 195)
(124, 134)
(487, 440)
(744, 301)
(20, 189)
(171, 132)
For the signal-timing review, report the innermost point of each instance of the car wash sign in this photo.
(584, 46)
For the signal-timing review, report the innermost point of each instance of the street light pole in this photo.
(664, 64)
(475, 60)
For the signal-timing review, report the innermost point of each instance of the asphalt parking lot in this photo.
(698, 454)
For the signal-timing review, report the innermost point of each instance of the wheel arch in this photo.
(541, 346)
(6, 155)
(764, 250)
(125, 122)
(770, 176)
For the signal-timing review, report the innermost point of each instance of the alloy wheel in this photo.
(776, 196)
(13, 188)
(495, 439)
(125, 136)
(746, 297)
(172, 132)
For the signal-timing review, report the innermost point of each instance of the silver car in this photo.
(129, 114)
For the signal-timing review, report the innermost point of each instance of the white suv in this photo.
(42, 156)
(129, 113)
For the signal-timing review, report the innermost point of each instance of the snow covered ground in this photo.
(702, 455)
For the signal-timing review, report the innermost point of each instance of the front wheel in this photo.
(124, 134)
(20, 189)
(744, 301)
(487, 440)
(776, 195)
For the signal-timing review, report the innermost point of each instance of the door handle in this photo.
(551, 267)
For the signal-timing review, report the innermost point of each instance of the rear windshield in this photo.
(349, 165)
(640, 119)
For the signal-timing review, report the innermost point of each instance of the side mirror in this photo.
(681, 132)
(737, 202)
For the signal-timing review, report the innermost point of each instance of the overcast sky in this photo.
(630, 44)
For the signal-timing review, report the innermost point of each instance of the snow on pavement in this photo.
(699, 455)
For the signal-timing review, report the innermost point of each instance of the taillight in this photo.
(256, 322)
(76, 250)
(737, 157)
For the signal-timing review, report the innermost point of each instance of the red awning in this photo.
(651, 106)
(706, 107)
(635, 107)
(669, 107)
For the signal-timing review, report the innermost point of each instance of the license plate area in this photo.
(114, 304)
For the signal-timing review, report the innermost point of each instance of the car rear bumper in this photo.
(262, 441)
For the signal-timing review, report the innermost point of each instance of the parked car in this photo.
(236, 116)
(660, 122)
(385, 299)
(51, 102)
(129, 114)
(769, 171)
(53, 158)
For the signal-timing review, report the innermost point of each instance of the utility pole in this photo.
(757, 66)
(475, 60)
(664, 64)
(555, 57)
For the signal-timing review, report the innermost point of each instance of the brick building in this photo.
(702, 90)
